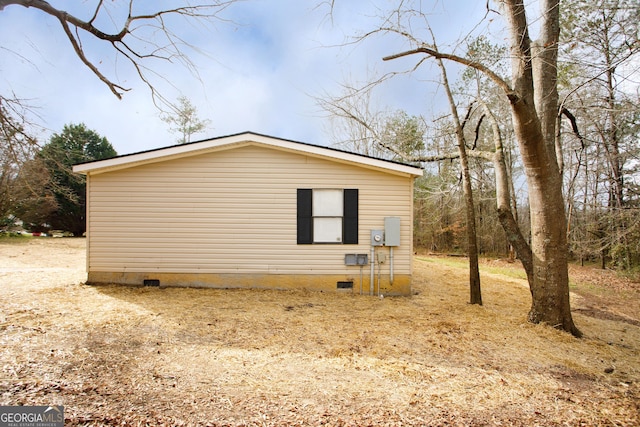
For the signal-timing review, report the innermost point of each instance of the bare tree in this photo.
(533, 97)
(17, 146)
(355, 122)
(184, 120)
(506, 216)
(472, 238)
(373, 131)
(600, 47)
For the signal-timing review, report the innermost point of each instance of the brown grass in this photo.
(155, 356)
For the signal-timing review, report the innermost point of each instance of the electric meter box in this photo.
(392, 231)
(377, 237)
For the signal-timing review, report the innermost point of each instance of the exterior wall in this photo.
(228, 219)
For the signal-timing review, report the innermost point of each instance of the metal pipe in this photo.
(391, 265)
(379, 268)
(372, 262)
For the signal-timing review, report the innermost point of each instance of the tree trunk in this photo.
(503, 200)
(534, 126)
(475, 296)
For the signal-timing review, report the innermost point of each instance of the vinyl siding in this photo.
(233, 211)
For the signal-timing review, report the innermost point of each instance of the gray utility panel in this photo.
(356, 259)
(392, 231)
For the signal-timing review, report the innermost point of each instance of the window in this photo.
(327, 216)
(326, 210)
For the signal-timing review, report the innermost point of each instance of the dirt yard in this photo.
(193, 357)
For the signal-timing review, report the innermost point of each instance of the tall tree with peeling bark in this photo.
(533, 98)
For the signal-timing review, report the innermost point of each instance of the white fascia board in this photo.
(345, 157)
(153, 156)
(238, 140)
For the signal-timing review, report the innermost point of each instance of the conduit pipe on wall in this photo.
(379, 262)
(391, 265)
(372, 263)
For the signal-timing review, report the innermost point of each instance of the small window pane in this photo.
(327, 202)
(327, 230)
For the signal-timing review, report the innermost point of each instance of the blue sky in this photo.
(257, 72)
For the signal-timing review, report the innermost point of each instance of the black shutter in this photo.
(350, 221)
(305, 220)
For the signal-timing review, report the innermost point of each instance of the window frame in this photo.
(306, 218)
(327, 215)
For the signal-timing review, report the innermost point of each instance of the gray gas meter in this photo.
(377, 237)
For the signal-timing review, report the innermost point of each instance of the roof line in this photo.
(244, 133)
(181, 150)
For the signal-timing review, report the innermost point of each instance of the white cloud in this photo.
(258, 75)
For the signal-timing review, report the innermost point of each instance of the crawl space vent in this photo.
(151, 282)
(345, 285)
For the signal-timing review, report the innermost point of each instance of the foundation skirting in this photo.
(326, 283)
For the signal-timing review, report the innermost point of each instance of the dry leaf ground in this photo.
(125, 356)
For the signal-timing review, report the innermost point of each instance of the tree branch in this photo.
(574, 125)
(115, 89)
(477, 131)
(169, 49)
(424, 49)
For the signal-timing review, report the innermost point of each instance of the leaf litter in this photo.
(127, 356)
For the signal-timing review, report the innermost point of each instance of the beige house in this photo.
(250, 210)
